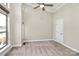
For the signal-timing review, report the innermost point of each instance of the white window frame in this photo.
(5, 10)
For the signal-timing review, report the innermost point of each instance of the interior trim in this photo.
(3, 8)
(5, 50)
(35, 40)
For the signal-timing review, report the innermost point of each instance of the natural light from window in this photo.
(2, 30)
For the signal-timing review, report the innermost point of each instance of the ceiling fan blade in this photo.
(48, 5)
(43, 9)
(36, 7)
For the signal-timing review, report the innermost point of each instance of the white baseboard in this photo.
(37, 40)
(17, 45)
(67, 46)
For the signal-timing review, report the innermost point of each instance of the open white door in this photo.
(59, 30)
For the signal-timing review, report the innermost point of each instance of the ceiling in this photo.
(52, 9)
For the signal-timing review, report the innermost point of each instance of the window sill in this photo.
(2, 46)
(5, 50)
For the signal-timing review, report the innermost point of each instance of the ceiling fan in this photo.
(42, 5)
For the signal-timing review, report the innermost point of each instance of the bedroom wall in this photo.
(15, 23)
(70, 14)
(37, 24)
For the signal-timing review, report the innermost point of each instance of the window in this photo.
(3, 27)
(2, 30)
(5, 3)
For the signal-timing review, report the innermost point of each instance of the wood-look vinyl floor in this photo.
(42, 48)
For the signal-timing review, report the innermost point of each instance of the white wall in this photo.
(22, 26)
(37, 23)
(70, 14)
(15, 22)
(40, 24)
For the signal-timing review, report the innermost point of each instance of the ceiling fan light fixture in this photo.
(41, 6)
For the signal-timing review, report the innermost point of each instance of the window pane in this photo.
(2, 30)
(5, 3)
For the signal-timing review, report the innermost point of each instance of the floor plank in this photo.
(44, 48)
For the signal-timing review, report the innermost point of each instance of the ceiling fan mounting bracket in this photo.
(42, 5)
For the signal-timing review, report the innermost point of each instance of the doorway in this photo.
(59, 30)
